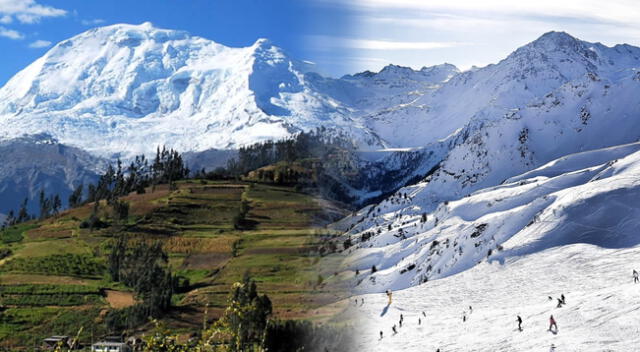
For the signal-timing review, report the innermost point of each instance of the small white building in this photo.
(110, 347)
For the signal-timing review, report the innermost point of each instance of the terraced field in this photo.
(55, 280)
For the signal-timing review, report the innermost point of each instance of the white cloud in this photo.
(92, 22)
(620, 11)
(6, 19)
(40, 44)
(329, 42)
(10, 33)
(368, 44)
(27, 11)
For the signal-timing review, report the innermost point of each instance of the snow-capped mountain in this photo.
(557, 98)
(122, 90)
(128, 88)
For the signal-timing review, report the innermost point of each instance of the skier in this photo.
(394, 329)
(362, 304)
(635, 276)
(552, 323)
(389, 296)
(562, 298)
(559, 303)
(470, 310)
(519, 323)
(464, 316)
(380, 334)
(419, 321)
(401, 317)
(552, 348)
(423, 314)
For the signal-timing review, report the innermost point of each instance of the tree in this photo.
(245, 318)
(75, 198)
(23, 214)
(120, 210)
(56, 204)
(144, 268)
(116, 257)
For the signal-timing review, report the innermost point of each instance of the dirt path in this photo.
(120, 299)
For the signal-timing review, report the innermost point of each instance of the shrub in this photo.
(5, 252)
(93, 222)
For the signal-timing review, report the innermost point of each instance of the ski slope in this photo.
(568, 227)
(602, 311)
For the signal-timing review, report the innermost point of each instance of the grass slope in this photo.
(57, 269)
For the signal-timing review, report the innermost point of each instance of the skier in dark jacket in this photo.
(519, 323)
(635, 277)
(552, 323)
(562, 298)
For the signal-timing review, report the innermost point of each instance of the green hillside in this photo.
(54, 276)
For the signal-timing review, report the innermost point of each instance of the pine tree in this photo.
(75, 198)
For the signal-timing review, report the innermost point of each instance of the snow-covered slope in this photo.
(601, 312)
(567, 227)
(556, 98)
(589, 197)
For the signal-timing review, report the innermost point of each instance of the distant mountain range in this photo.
(122, 90)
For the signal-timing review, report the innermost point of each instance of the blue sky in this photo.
(29, 27)
(340, 36)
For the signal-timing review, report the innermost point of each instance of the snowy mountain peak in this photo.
(262, 42)
(130, 35)
(558, 38)
(445, 67)
(391, 68)
(559, 46)
(180, 89)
